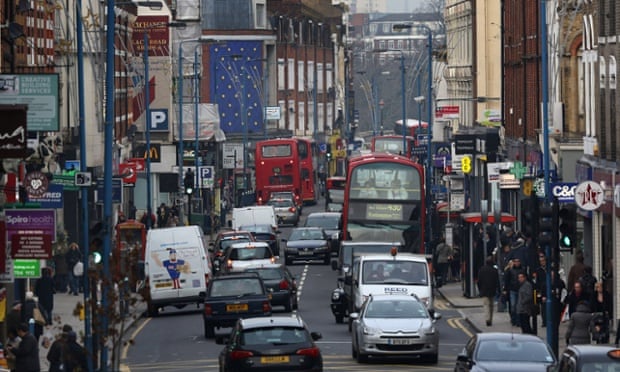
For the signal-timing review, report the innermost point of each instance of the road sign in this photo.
(232, 155)
(206, 177)
(27, 268)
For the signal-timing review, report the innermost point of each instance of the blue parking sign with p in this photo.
(206, 177)
(159, 120)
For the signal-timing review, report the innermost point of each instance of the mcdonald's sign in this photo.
(155, 152)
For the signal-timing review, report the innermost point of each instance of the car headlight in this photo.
(370, 331)
(335, 296)
(322, 248)
(426, 301)
(430, 331)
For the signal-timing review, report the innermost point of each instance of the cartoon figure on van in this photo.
(174, 266)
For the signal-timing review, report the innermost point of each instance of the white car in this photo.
(398, 325)
(240, 256)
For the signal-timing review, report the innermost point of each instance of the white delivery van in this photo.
(177, 268)
(394, 273)
(254, 215)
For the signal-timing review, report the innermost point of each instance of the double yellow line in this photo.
(457, 323)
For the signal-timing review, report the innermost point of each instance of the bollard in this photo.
(31, 326)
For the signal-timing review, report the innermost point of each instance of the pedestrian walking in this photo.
(540, 275)
(511, 287)
(443, 252)
(602, 309)
(44, 290)
(163, 214)
(74, 357)
(576, 271)
(56, 351)
(73, 257)
(26, 352)
(30, 304)
(578, 331)
(61, 271)
(575, 297)
(13, 319)
(525, 303)
(488, 285)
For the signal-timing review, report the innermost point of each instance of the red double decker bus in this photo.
(308, 159)
(278, 167)
(392, 144)
(384, 201)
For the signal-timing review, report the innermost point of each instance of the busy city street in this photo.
(174, 340)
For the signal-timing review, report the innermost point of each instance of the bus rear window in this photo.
(276, 151)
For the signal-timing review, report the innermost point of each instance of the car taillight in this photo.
(208, 309)
(229, 264)
(240, 354)
(266, 307)
(272, 260)
(206, 280)
(292, 209)
(284, 284)
(313, 352)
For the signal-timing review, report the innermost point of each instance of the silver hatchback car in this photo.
(286, 211)
(394, 325)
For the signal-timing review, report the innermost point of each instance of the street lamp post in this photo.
(429, 156)
(147, 124)
(197, 185)
(180, 104)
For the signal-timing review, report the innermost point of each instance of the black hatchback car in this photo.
(270, 344)
(280, 283)
(234, 296)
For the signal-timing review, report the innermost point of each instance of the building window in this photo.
(382, 44)
(373, 29)
(261, 15)
(386, 28)
(390, 44)
(400, 44)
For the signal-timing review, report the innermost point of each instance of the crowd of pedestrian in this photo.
(165, 216)
(520, 283)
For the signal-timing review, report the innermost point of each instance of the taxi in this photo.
(577, 358)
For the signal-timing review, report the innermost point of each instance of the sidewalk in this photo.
(64, 306)
(471, 310)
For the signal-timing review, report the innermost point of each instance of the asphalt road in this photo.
(174, 341)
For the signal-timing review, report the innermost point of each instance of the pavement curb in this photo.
(453, 304)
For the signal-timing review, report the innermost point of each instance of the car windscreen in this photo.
(280, 203)
(274, 336)
(228, 242)
(323, 222)
(395, 272)
(395, 309)
(306, 235)
(513, 351)
(257, 228)
(254, 253)
(236, 287)
(268, 274)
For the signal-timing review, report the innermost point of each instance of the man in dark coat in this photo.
(511, 287)
(27, 352)
(73, 256)
(44, 290)
(488, 283)
(56, 352)
(74, 357)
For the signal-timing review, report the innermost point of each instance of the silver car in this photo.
(394, 325)
(286, 211)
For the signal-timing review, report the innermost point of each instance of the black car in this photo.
(280, 283)
(331, 223)
(507, 352)
(230, 297)
(265, 233)
(307, 243)
(270, 344)
(589, 358)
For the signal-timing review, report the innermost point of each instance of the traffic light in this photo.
(188, 182)
(567, 226)
(547, 228)
(328, 153)
(529, 217)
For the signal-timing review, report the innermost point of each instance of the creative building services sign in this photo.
(39, 92)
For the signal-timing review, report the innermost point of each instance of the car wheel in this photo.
(209, 331)
(432, 358)
(339, 319)
(288, 261)
(295, 302)
(350, 324)
(361, 358)
(327, 259)
(152, 310)
(353, 351)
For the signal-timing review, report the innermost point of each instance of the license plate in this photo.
(399, 341)
(236, 307)
(305, 253)
(274, 359)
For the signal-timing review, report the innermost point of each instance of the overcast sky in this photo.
(403, 6)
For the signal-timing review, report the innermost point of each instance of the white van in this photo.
(394, 273)
(177, 268)
(254, 215)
